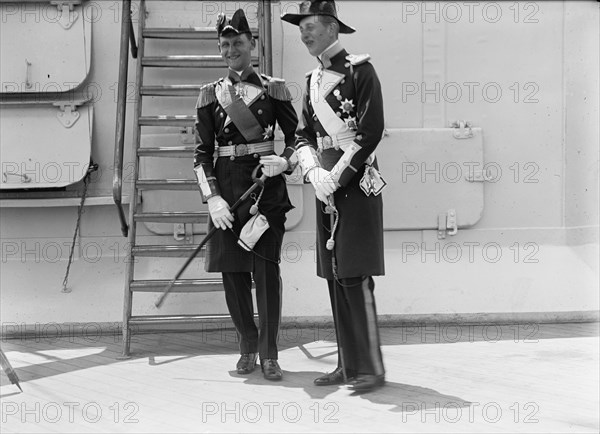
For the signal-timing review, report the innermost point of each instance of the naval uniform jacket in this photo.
(230, 178)
(358, 101)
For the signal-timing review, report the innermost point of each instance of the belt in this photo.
(337, 141)
(232, 151)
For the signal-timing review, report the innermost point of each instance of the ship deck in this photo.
(440, 378)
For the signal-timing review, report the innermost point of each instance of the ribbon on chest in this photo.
(236, 101)
(322, 83)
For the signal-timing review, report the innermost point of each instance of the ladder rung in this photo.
(167, 151)
(174, 319)
(189, 33)
(172, 217)
(183, 285)
(172, 90)
(166, 251)
(167, 121)
(167, 184)
(189, 61)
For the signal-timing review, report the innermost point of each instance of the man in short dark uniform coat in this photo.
(342, 123)
(238, 114)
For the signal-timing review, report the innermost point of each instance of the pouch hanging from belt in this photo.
(252, 231)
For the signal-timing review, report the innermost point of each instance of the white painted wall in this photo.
(552, 141)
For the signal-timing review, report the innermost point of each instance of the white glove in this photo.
(273, 165)
(321, 197)
(219, 212)
(322, 182)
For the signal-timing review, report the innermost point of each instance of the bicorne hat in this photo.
(317, 7)
(237, 25)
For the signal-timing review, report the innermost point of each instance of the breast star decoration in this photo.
(347, 105)
(268, 132)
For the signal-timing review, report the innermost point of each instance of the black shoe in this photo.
(271, 369)
(335, 377)
(367, 383)
(246, 363)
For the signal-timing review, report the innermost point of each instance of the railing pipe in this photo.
(126, 31)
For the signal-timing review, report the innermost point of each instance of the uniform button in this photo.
(226, 130)
(343, 81)
(338, 114)
(221, 115)
(315, 117)
(347, 65)
(260, 112)
(255, 155)
(262, 97)
(359, 137)
(230, 142)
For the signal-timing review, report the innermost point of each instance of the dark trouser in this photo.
(238, 295)
(355, 316)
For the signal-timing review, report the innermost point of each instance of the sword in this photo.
(8, 369)
(330, 245)
(258, 182)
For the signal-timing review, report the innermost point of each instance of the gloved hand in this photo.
(273, 165)
(219, 212)
(322, 182)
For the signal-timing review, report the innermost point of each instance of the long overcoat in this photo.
(357, 100)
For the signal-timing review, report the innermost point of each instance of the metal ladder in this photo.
(142, 184)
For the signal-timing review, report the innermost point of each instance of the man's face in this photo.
(236, 50)
(316, 35)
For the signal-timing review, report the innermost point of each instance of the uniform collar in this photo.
(329, 53)
(248, 75)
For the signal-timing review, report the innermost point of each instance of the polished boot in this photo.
(335, 377)
(271, 369)
(367, 383)
(246, 363)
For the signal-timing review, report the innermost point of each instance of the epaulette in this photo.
(207, 95)
(357, 59)
(276, 88)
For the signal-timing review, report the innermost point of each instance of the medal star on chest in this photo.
(351, 122)
(268, 132)
(347, 105)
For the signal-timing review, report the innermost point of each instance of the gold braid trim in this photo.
(277, 89)
(207, 95)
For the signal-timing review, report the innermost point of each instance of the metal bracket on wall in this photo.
(447, 224)
(187, 135)
(462, 129)
(183, 232)
(68, 114)
(482, 175)
(65, 9)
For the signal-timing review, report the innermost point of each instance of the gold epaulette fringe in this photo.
(277, 89)
(207, 95)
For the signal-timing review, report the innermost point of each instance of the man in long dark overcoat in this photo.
(342, 123)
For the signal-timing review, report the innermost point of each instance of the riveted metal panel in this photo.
(427, 172)
(44, 146)
(48, 52)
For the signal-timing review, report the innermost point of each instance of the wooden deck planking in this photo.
(186, 382)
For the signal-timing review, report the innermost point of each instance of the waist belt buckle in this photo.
(241, 150)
